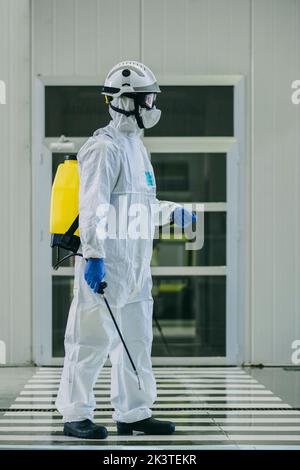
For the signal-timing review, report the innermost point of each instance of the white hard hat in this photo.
(130, 77)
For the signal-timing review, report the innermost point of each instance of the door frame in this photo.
(234, 147)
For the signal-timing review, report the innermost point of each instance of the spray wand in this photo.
(103, 285)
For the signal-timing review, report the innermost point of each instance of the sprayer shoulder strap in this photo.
(73, 227)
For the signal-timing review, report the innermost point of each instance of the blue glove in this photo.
(94, 273)
(182, 217)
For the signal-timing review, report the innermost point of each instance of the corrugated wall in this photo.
(15, 214)
(76, 37)
(275, 196)
(257, 38)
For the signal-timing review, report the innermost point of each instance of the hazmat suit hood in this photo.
(125, 124)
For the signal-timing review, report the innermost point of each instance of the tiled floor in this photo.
(212, 408)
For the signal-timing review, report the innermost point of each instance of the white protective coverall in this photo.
(113, 164)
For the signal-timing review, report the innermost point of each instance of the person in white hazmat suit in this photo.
(116, 175)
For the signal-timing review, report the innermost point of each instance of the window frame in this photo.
(233, 147)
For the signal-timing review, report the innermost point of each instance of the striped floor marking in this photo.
(190, 385)
(187, 429)
(251, 422)
(132, 440)
(213, 407)
(277, 414)
(176, 391)
(184, 405)
(170, 398)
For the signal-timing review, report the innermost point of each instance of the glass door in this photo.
(190, 307)
(189, 287)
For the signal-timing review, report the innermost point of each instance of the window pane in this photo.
(186, 111)
(62, 294)
(190, 177)
(190, 311)
(194, 111)
(74, 110)
(69, 262)
(213, 253)
(191, 314)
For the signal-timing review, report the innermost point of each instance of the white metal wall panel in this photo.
(196, 36)
(220, 37)
(152, 17)
(5, 170)
(275, 193)
(173, 36)
(84, 38)
(63, 36)
(42, 21)
(174, 41)
(286, 206)
(240, 38)
(15, 275)
(130, 26)
(119, 33)
(262, 188)
(197, 51)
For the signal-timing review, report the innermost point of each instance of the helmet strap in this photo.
(134, 112)
(122, 111)
(138, 118)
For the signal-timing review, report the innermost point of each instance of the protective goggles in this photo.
(145, 100)
(148, 100)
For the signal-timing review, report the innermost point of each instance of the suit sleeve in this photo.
(164, 209)
(99, 168)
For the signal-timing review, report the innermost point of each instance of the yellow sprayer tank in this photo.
(64, 206)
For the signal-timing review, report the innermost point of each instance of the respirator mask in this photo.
(145, 111)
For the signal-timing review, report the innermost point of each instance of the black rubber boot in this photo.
(147, 426)
(85, 430)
